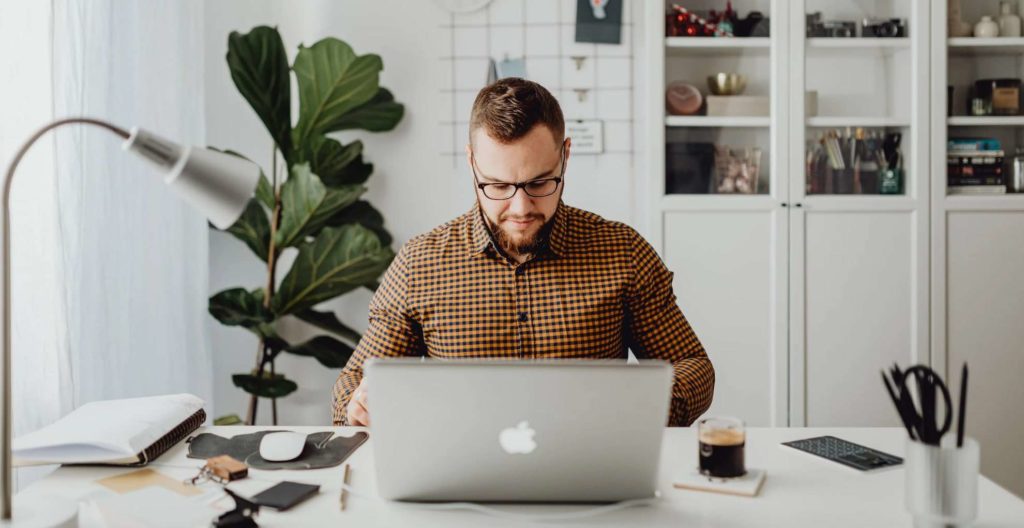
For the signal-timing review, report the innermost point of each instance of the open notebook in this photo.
(129, 432)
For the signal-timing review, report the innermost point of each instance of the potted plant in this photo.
(314, 206)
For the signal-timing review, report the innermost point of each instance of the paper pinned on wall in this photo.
(506, 68)
(587, 136)
(599, 21)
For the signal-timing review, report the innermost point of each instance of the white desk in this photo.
(801, 490)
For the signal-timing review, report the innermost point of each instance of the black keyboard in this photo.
(846, 453)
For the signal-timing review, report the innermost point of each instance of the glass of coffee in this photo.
(721, 441)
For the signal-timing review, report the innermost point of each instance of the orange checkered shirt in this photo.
(597, 288)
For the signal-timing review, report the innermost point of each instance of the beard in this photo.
(512, 244)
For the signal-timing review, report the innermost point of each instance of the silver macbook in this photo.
(503, 431)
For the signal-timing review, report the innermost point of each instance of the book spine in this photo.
(978, 189)
(172, 438)
(959, 182)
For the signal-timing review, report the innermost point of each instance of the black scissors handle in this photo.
(925, 421)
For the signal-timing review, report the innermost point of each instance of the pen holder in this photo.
(942, 483)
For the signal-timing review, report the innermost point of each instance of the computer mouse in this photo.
(282, 446)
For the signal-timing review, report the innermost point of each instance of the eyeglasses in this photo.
(536, 188)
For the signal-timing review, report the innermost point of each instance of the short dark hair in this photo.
(509, 108)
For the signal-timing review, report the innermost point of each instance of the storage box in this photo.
(754, 105)
(738, 105)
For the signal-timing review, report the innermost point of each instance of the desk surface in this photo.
(801, 490)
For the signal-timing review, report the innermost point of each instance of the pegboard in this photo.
(542, 33)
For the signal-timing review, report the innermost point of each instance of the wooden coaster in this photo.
(748, 485)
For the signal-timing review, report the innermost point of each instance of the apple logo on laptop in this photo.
(518, 439)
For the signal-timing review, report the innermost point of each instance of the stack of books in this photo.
(975, 166)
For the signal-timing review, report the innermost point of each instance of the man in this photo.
(524, 276)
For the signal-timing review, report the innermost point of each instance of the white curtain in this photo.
(110, 271)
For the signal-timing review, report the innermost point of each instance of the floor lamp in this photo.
(218, 185)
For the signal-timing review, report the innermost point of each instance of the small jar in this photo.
(981, 106)
(1002, 94)
(986, 28)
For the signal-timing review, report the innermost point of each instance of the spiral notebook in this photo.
(129, 432)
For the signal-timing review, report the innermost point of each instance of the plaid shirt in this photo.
(597, 288)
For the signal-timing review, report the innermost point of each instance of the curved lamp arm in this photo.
(218, 184)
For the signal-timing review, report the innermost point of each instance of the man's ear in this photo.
(568, 149)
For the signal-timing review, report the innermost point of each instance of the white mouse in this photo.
(282, 446)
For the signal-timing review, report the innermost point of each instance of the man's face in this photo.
(519, 221)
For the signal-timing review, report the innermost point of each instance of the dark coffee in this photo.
(721, 453)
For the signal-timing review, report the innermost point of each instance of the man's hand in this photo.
(357, 411)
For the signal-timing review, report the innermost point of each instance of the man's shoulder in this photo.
(594, 228)
(446, 238)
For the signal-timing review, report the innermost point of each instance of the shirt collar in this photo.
(481, 237)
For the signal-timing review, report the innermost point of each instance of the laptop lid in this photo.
(537, 431)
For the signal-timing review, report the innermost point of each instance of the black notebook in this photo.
(130, 432)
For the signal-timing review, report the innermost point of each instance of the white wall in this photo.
(413, 185)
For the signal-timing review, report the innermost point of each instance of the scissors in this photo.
(922, 414)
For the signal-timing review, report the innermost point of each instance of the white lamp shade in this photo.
(218, 185)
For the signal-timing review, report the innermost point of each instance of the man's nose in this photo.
(521, 204)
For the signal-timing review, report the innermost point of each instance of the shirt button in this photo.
(522, 317)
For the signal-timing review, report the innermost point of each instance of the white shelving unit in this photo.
(976, 248)
(796, 296)
(754, 369)
(801, 298)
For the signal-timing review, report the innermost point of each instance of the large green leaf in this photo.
(238, 307)
(259, 67)
(265, 192)
(330, 352)
(332, 82)
(352, 174)
(253, 228)
(331, 161)
(307, 205)
(379, 114)
(364, 214)
(330, 322)
(276, 386)
(339, 260)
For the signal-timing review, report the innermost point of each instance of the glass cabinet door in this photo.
(985, 134)
(718, 97)
(858, 96)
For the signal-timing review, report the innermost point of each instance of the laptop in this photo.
(517, 431)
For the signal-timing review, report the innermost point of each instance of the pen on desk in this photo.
(963, 408)
(345, 480)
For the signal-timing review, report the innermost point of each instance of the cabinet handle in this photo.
(784, 204)
(798, 205)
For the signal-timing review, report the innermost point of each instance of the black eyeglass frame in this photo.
(483, 186)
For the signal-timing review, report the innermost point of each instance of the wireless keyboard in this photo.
(846, 453)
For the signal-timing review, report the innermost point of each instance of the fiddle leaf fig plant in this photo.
(316, 207)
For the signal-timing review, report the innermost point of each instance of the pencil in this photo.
(345, 480)
(963, 407)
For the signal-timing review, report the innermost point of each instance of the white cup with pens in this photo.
(941, 469)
